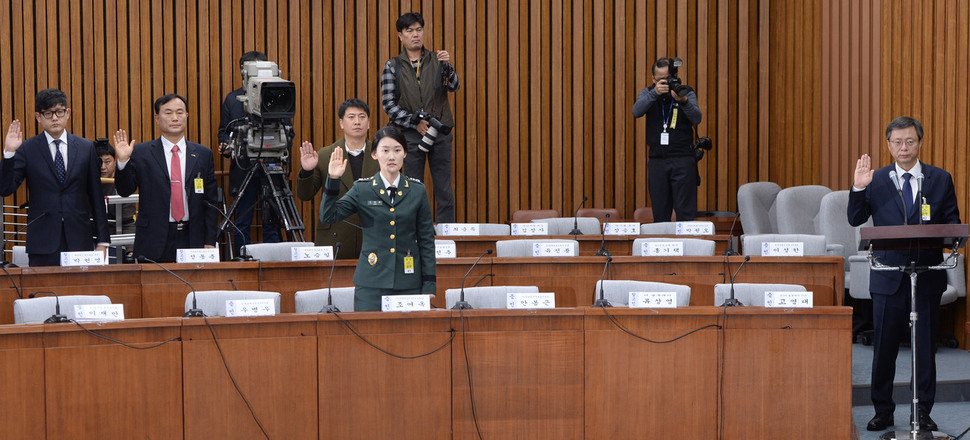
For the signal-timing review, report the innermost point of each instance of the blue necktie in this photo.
(59, 162)
(908, 194)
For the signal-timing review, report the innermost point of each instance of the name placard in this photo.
(311, 253)
(552, 249)
(621, 228)
(250, 307)
(694, 228)
(541, 300)
(789, 300)
(530, 228)
(653, 300)
(663, 249)
(405, 303)
(782, 249)
(99, 312)
(459, 229)
(445, 250)
(87, 258)
(204, 255)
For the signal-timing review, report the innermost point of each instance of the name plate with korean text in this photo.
(552, 249)
(204, 255)
(445, 250)
(87, 258)
(530, 228)
(99, 312)
(782, 249)
(694, 228)
(789, 300)
(405, 303)
(459, 229)
(541, 300)
(250, 307)
(653, 300)
(621, 228)
(663, 249)
(311, 253)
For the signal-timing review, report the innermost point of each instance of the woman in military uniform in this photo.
(397, 254)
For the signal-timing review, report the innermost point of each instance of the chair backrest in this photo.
(956, 283)
(213, 302)
(564, 225)
(811, 244)
(523, 248)
(617, 292)
(756, 203)
(486, 297)
(483, 228)
(751, 294)
(662, 228)
(273, 251)
(527, 215)
(20, 257)
(312, 301)
(36, 310)
(643, 214)
(692, 246)
(599, 214)
(797, 208)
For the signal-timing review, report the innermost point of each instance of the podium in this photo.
(910, 237)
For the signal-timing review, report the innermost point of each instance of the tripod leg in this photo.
(281, 200)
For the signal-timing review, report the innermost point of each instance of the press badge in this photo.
(925, 210)
(665, 138)
(199, 186)
(409, 264)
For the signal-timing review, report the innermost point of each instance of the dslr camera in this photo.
(435, 128)
(673, 81)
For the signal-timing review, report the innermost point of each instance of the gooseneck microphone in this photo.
(3, 254)
(195, 311)
(57, 316)
(899, 190)
(330, 308)
(602, 301)
(730, 250)
(919, 195)
(731, 301)
(462, 304)
(576, 230)
(603, 252)
(222, 228)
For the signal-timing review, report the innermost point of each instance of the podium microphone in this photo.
(57, 316)
(329, 307)
(462, 304)
(732, 301)
(899, 190)
(919, 195)
(576, 230)
(195, 311)
(3, 254)
(730, 250)
(602, 301)
(603, 252)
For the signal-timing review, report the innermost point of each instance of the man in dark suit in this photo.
(176, 183)
(875, 193)
(67, 208)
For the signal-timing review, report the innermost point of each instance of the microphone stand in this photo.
(195, 311)
(603, 252)
(329, 307)
(57, 316)
(732, 301)
(602, 301)
(576, 230)
(462, 304)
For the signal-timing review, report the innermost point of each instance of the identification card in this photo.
(789, 299)
(664, 138)
(626, 228)
(311, 253)
(542, 300)
(408, 265)
(405, 303)
(204, 255)
(530, 228)
(199, 186)
(653, 300)
(445, 250)
(99, 312)
(88, 258)
(552, 249)
(694, 228)
(250, 307)
(663, 249)
(925, 212)
(782, 249)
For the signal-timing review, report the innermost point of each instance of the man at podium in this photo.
(908, 192)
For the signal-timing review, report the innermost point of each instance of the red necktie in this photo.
(178, 207)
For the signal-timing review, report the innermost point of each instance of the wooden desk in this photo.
(589, 245)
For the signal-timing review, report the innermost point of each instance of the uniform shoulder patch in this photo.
(365, 179)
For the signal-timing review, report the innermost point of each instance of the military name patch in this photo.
(374, 203)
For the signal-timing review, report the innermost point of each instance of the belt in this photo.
(178, 226)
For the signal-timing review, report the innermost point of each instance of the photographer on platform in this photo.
(671, 112)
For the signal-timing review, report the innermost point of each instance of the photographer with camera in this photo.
(671, 111)
(414, 93)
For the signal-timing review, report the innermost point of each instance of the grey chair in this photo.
(751, 294)
(564, 225)
(273, 251)
(797, 209)
(692, 246)
(483, 228)
(662, 228)
(523, 248)
(36, 310)
(756, 204)
(213, 302)
(313, 301)
(812, 244)
(486, 297)
(617, 292)
(20, 256)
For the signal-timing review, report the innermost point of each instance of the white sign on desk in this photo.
(782, 249)
(445, 250)
(204, 255)
(405, 303)
(552, 249)
(789, 300)
(88, 258)
(653, 300)
(694, 228)
(541, 300)
(530, 228)
(624, 228)
(663, 248)
(311, 253)
(99, 312)
(250, 307)
(459, 229)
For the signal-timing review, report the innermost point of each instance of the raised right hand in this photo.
(337, 163)
(15, 137)
(863, 172)
(123, 148)
(308, 157)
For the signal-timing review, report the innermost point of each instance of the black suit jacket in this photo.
(75, 207)
(147, 172)
(882, 201)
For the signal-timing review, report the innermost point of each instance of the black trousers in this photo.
(439, 161)
(177, 239)
(673, 187)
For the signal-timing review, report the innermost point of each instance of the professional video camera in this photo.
(673, 81)
(435, 128)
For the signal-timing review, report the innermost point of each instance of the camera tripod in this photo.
(276, 192)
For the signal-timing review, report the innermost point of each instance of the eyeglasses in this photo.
(49, 114)
(908, 142)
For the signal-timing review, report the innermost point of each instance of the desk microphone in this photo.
(330, 308)
(732, 301)
(195, 311)
(57, 316)
(576, 230)
(602, 301)
(462, 304)
(730, 250)
(603, 252)
(3, 255)
(222, 227)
